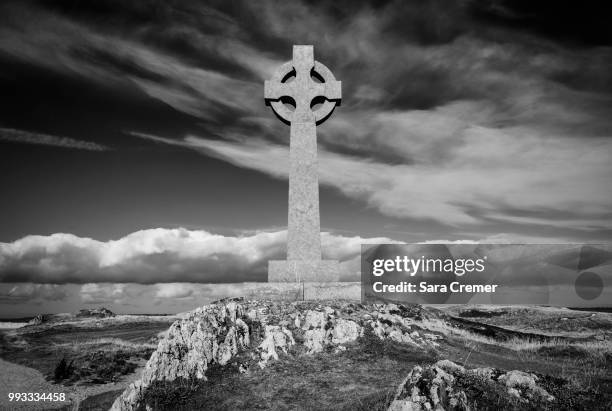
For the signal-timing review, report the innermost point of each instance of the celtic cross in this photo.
(303, 93)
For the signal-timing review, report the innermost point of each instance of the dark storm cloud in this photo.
(453, 112)
(579, 23)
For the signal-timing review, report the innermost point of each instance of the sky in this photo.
(137, 154)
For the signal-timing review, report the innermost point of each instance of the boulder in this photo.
(345, 331)
(442, 386)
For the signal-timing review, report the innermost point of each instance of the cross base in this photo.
(284, 271)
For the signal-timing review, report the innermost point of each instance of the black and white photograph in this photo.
(305, 205)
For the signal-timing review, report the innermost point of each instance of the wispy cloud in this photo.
(490, 171)
(113, 59)
(28, 137)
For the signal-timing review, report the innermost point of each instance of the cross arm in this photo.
(332, 90)
(274, 90)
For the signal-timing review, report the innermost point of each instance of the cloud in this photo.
(174, 290)
(346, 248)
(28, 137)
(486, 171)
(27, 292)
(102, 293)
(113, 59)
(447, 117)
(503, 238)
(450, 126)
(154, 256)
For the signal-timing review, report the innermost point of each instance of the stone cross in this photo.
(303, 84)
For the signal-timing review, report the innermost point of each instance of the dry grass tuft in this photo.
(600, 351)
(114, 343)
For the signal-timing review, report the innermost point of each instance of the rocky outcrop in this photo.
(39, 319)
(322, 328)
(95, 313)
(259, 332)
(330, 328)
(444, 386)
(82, 315)
(211, 334)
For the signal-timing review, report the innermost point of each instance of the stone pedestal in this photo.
(294, 291)
(303, 270)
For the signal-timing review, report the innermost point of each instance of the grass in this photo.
(485, 394)
(539, 319)
(99, 402)
(364, 377)
(99, 367)
(110, 344)
(98, 354)
(584, 367)
(601, 351)
(10, 325)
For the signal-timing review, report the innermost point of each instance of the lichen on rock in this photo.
(275, 337)
(442, 386)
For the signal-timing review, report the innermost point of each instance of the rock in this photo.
(339, 349)
(252, 314)
(314, 340)
(274, 337)
(484, 372)
(524, 385)
(451, 367)
(39, 319)
(297, 322)
(439, 387)
(95, 313)
(229, 299)
(345, 331)
(398, 336)
(314, 319)
(516, 378)
(429, 388)
(398, 329)
(228, 348)
(390, 308)
(209, 334)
